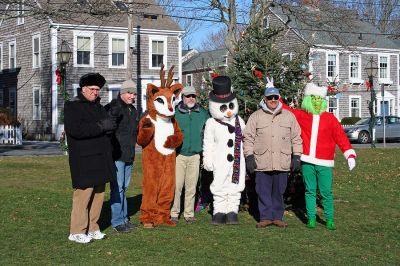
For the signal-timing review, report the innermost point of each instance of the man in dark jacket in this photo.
(191, 118)
(87, 126)
(123, 142)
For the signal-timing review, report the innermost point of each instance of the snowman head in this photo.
(223, 104)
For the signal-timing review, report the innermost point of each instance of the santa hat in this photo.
(312, 89)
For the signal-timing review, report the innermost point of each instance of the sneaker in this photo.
(190, 220)
(122, 228)
(175, 220)
(97, 235)
(130, 225)
(80, 238)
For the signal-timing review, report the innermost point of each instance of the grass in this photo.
(36, 203)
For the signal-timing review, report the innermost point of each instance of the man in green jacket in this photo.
(191, 118)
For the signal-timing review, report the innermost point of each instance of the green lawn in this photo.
(36, 203)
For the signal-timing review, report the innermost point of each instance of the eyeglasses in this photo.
(270, 97)
(93, 89)
(190, 96)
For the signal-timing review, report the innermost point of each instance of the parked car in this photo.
(360, 130)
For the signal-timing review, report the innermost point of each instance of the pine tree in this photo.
(255, 59)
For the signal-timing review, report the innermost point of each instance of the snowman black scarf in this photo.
(238, 143)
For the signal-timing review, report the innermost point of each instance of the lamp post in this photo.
(63, 57)
(372, 70)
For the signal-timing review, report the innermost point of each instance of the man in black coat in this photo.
(123, 141)
(88, 126)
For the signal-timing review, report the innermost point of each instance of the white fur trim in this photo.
(312, 89)
(314, 135)
(313, 160)
(348, 153)
(163, 129)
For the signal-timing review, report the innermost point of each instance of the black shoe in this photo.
(122, 228)
(232, 218)
(219, 218)
(130, 225)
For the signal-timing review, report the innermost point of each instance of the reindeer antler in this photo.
(162, 74)
(170, 76)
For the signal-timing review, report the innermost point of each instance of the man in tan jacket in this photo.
(272, 147)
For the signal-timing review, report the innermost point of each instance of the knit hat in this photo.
(92, 79)
(313, 89)
(128, 86)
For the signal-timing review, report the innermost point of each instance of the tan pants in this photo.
(187, 173)
(86, 209)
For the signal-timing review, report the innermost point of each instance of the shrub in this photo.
(6, 118)
(349, 120)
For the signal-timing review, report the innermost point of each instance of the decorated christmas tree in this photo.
(257, 58)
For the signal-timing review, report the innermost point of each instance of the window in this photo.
(12, 62)
(266, 22)
(383, 67)
(113, 91)
(189, 78)
(158, 52)
(20, 14)
(333, 106)
(355, 70)
(355, 106)
(83, 49)
(332, 66)
(1, 56)
(118, 47)
(288, 56)
(36, 103)
(12, 98)
(36, 51)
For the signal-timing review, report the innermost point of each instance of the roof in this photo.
(332, 26)
(108, 13)
(205, 60)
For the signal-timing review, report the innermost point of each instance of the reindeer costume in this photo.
(159, 135)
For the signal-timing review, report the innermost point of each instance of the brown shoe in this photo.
(263, 223)
(280, 223)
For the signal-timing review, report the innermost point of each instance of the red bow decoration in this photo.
(257, 73)
(331, 89)
(214, 75)
(58, 77)
(368, 84)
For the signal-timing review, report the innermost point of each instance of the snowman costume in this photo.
(223, 151)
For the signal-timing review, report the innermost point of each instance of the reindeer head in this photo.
(161, 100)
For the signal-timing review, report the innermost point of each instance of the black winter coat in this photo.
(124, 139)
(89, 148)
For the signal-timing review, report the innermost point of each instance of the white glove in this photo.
(352, 163)
(270, 83)
(208, 167)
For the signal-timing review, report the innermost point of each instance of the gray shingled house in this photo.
(340, 46)
(96, 32)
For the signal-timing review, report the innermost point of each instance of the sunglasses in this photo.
(270, 97)
(190, 96)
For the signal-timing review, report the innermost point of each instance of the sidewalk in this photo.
(29, 148)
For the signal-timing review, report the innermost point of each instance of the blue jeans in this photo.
(119, 208)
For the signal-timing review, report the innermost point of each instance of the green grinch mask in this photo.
(314, 104)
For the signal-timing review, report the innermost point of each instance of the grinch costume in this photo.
(321, 132)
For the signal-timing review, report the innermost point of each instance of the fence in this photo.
(10, 134)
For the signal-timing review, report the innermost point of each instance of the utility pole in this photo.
(129, 68)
